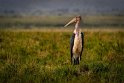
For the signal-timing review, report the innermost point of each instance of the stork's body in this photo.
(77, 42)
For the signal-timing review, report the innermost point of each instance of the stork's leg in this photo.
(76, 61)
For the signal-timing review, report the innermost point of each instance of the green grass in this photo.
(44, 57)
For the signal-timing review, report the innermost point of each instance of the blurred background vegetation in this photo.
(27, 22)
(56, 13)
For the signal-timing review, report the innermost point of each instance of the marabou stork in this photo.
(76, 42)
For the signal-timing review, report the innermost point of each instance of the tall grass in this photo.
(44, 57)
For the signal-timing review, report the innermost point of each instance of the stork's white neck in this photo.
(77, 29)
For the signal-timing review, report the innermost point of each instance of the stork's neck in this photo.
(77, 29)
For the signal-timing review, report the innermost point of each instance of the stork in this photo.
(76, 42)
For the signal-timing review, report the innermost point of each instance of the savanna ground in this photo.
(43, 55)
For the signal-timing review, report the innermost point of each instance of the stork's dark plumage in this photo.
(77, 41)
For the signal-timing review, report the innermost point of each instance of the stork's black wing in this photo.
(82, 36)
(71, 44)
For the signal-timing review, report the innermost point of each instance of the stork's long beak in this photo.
(72, 21)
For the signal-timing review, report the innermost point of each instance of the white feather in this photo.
(77, 45)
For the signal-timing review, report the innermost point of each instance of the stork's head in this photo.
(74, 20)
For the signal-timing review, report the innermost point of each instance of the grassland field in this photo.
(37, 50)
(43, 56)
